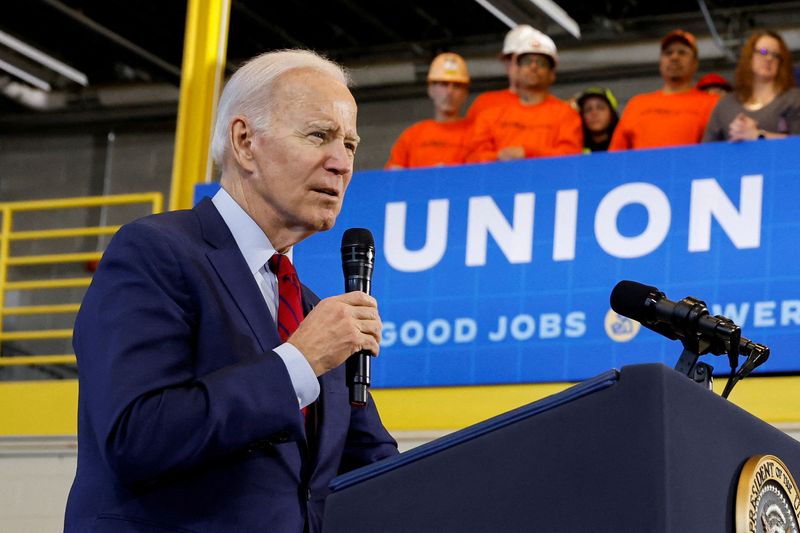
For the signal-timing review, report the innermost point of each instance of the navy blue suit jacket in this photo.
(187, 420)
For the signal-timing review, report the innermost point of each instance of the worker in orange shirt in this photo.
(538, 124)
(677, 113)
(440, 141)
(506, 96)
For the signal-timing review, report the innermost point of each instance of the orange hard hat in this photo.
(448, 67)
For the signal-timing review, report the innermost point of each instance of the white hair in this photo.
(248, 92)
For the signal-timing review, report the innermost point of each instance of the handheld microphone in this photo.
(358, 258)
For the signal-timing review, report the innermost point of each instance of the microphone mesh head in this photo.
(358, 259)
(358, 237)
(628, 298)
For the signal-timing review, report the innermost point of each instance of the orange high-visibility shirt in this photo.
(549, 128)
(429, 143)
(658, 119)
(490, 99)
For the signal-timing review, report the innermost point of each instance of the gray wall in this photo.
(70, 162)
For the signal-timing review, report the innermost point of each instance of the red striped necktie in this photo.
(290, 301)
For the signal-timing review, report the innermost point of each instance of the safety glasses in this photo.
(533, 59)
(766, 52)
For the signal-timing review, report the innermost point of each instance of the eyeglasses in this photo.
(533, 59)
(767, 52)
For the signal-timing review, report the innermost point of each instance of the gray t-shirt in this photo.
(782, 115)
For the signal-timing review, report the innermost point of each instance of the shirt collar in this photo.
(250, 239)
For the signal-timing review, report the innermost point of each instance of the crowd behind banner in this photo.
(525, 120)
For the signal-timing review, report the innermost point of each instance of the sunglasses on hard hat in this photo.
(533, 59)
(767, 52)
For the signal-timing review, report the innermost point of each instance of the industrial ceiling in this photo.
(127, 53)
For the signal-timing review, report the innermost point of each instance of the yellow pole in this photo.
(5, 250)
(204, 53)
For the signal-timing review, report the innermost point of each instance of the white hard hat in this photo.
(512, 40)
(536, 42)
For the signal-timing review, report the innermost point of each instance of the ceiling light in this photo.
(24, 75)
(555, 12)
(488, 6)
(44, 59)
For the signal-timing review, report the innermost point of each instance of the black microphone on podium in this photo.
(683, 319)
(358, 259)
(675, 320)
(689, 321)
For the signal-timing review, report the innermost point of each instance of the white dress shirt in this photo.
(257, 250)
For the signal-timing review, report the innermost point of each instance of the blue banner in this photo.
(501, 273)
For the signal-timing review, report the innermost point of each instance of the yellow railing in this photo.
(8, 210)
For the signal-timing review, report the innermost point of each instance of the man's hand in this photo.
(510, 153)
(337, 328)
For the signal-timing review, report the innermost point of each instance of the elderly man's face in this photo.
(303, 163)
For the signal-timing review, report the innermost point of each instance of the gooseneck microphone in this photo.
(358, 259)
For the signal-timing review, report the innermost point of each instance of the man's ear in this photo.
(429, 91)
(241, 138)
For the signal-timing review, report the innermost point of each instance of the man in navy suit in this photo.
(190, 403)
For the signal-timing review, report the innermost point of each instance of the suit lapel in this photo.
(310, 300)
(232, 270)
(230, 266)
(333, 402)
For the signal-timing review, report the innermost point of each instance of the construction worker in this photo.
(538, 124)
(677, 113)
(506, 96)
(441, 140)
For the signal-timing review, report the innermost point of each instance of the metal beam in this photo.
(268, 26)
(122, 41)
(204, 54)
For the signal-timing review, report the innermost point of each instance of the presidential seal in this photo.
(767, 500)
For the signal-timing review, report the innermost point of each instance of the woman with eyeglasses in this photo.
(765, 104)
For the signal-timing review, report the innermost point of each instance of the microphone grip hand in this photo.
(336, 328)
